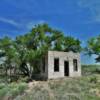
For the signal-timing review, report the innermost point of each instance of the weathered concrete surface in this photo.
(63, 56)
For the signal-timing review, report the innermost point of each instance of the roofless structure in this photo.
(61, 64)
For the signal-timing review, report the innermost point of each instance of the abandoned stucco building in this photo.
(60, 64)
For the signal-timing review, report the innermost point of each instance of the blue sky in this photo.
(78, 18)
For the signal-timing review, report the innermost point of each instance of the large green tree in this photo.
(93, 47)
(26, 51)
(72, 44)
(11, 55)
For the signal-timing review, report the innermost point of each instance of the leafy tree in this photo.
(93, 47)
(27, 51)
(57, 39)
(10, 53)
(71, 44)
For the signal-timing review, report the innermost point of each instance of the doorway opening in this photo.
(66, 68)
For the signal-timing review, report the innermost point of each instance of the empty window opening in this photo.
(75, 65)
(56, 64)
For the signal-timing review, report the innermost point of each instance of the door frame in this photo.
(66, 68)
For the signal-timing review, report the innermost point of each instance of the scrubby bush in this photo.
(17, 89)
(90, 69)
(2, 85)
(62, 89)
(82, 88)
(12, 90)
(93, 79)
(23, 79)
(3, 91)
(97, 70)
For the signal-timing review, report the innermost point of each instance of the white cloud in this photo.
(21, 25)
(97, 18)
(93, 6)
(9, 21)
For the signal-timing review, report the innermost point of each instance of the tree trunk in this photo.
(30, 70)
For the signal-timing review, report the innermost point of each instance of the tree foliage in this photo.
(93, 47)
(26, 50)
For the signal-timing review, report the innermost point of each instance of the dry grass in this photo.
(64, 89)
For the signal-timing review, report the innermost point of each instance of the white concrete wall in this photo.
(63, 56)
(45, 73)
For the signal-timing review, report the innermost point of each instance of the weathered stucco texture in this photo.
(63, 56)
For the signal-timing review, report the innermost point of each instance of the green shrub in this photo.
(17, 89)
(23, 79)
(2, 85)
(93, 79)
(97, 70)
(12, 90)
(22, 87)
(3, 91)
(90, 69)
